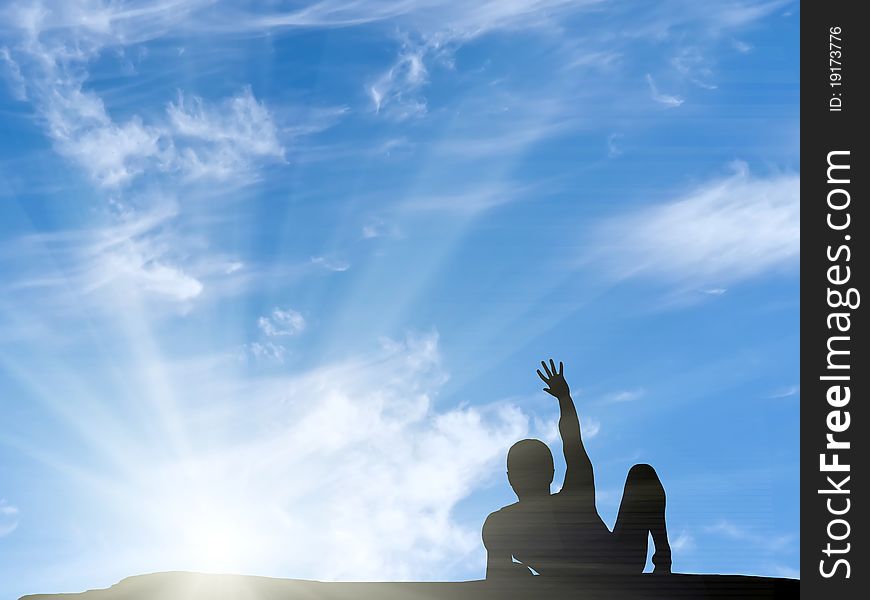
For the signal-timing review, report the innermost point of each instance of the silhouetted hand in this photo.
(557, 386)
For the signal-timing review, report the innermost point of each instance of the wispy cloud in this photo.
(330, 264)
(768, 543)
(394, 92)
(13, 74)
(684, 542)
(786, 392)
(374, 228)
(138, 251)
(228, 135)
(466, 202)
(8, 518)
(667, 100)
(50, 52)
(196, 141)
(465, 21)
(590, 427)
(267, 350)
(716, 291)
(625, 395)
(613, 149)
(726, 230)
(741, 46)
(740, 14)
(693, 65)
(128, 256)
(275, 328)
(49, 56)
(282, 322)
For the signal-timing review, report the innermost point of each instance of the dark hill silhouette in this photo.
(198, 586)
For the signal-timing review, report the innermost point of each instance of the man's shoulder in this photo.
(500, 517)
(496, 527)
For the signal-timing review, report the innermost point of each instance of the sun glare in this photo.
(213, 541)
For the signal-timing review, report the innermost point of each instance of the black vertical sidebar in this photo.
(834, 372)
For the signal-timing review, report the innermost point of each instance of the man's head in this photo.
(530, 468)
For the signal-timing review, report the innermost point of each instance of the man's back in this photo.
(553, 535)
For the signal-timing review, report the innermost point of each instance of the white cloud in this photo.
(463, 20)
(741, 46)
(766, 542)
(786, 392)
(439, 27)
(242, 121)
(267, 351)
(77, 121)
(13, 74)
(373, 229)
(218, 141)
(396, 88)
(589, 427)
(234, 266)
(330, 264)
(732, 15)
(692, 64)
(354, 461)
(625, 395)
(281, 322)
(137, 265)
(725, 230)
(197, 140)
(99, 23)
(8, 518)
(139, 254)
(664, 99)
(134, 256)
(112, 154)
(684, 542)
(613, 149)
(51, 47)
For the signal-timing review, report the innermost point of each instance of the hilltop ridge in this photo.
(200, 586)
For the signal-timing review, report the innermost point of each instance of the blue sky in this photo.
(276, 277)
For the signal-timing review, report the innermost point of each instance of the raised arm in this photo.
(579, 478)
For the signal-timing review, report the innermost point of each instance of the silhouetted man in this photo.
(562, 534)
